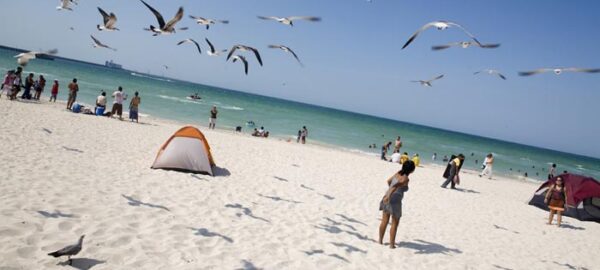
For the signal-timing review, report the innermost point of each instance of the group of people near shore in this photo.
(32, 90)
(12, 84)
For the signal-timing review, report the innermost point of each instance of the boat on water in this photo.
(111, 64)
(194, 97)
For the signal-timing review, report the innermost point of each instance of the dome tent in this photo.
(582, 192)
(186, 150)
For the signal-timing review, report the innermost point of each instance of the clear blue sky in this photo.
(354, 62)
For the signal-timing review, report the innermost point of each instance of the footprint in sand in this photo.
(26, 252)
(65, 226)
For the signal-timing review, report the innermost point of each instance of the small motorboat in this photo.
(194, 97)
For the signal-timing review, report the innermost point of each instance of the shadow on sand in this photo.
(248, 265)
(505, 229)
(569, 226)
(56, 214)
(280, 179)
(134, 202)
(72, 149)
(424, 247)
(320, 251)
(278, 199)
(81, 263)
(246, 211)
(218, 171)
(464, 190)
(206, 233)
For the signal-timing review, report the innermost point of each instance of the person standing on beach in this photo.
(552, 171)
(391, 204)
(556, 198)
(383, 152)
(28, 85)
(41, 84)
(303, 134)
(397, 144)
(118, 103)
(452, 171)
(488, 163)
(434, 157)
(7, 83)
(73, 89)
(212, 121)
(134, 106)
(54, 91)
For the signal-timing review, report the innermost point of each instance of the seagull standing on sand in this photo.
(244, 48)
(243, 59)
(212, 51)
(65, 5)
(464, 45)
(286, 49)
(165, 28)
(207, 22)
(109, 21)
(189, 40)
(428, 82)
(23, 58)
(98, 44)
(440, 25)
(289, 20)
(491, 72)
(558, 71)
(69, 251)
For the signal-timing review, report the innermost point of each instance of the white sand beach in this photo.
(272, 205)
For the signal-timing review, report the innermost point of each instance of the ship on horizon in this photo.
(111, 64)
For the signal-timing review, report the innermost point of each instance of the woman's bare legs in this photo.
(393, 230)
(558, 217)
(385, 218)
(551, 217)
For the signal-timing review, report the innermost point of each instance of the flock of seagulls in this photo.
(443, 25)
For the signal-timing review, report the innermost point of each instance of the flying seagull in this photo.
(428, 82)
(109, 21)
(164, 28)
(464, 45)
(165, 66)
(69, 251)
(23, 58)
(72, 28)
(286, 49)
(440, 25)
(207, 22)
(65, 5)
(189, 40)
(244, 48)
(243, 59)
(212, 51)
(558, 71)
(491, 72)
(98, 44)
(289, 20)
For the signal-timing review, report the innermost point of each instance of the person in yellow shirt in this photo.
(454, 167)
(404, 158)
(416, 160)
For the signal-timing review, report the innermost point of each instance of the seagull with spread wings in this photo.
(286, 49)
(109, 21)
(244, 48)
(290, 20)
(164, 28)
(213, 51)
(491, 72)
(98, 44)
(243, 60)
(66, 5)
(464, 45)
(440, 25)
(23, 58)
(189, 40)
(207, 22)
(558, 71)
(428, 82)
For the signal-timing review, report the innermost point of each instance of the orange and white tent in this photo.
(187, 150)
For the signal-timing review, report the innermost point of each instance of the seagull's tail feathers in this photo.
(54, 254)
(490, 46)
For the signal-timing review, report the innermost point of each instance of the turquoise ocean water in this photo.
(166, 98)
